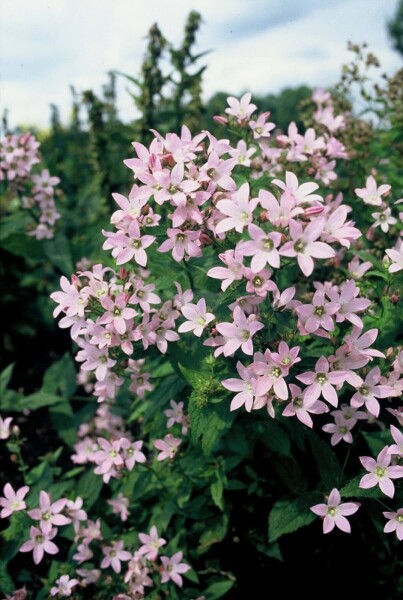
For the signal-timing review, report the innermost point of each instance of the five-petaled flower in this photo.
(334, 512)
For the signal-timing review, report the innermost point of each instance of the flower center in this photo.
(380, 471)
(321, 378)
(257, 281)
(299, 246)
(382, 217)
(297, 402)
(399, 518)
(117, 312)
(331, 512)
(319, 311)
(244, 216)
(343, 429)
(180, 237)
(172, 189)
(276, 372)
(39, 539)
(136, 244)
(268, 244)
(245, 334)
(46, 516)
(363, 391)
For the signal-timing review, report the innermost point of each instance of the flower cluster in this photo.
(18, 156)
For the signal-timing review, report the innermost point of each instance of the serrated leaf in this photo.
(352, 489)
(289, 516)
(194, 378)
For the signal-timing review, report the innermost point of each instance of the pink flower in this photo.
(244, 386)
(260, 127)
(396, 256)
(318, 314)
(70, 300)
(358, 269)
(395, 523)
(13, 501)
(241, 109)
(263, 248)
(120, 506)
(116, 312)
(114, 555)
(279, 212)
(131, 452)
(172, 568)
(349, 303)
(301, 408)
(336, 228)
(128, 245)
(49, 514)
(108, 456)
(239, 210)
(301, 194)
(40, 543)
(397, 447)
(151, 544)
(369, 391)
(181, 243)
(321, 382)
(175, 415)
(64, 586)
(168, 446)
(334, 512)
(380, 472)
(198, 317)
(384, 219)
(304, 246)
(5, 428)
(340, 430)
(371, 194)
(239, 333)
(83, 553)
(233, 272)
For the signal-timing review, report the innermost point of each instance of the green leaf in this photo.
(6, 583)
(194, 378)
(217, 490)
(276, 438)
(58, 251)
(326, 461)
(217, 420)
(214, 532)
(5, 377)
(377, 440)
(60, 378)
(63, 420)
(89, 487)
(15, 223)
(22, 245)
(218, 589)
(39, 400)
(288, 516)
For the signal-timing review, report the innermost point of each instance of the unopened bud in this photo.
(220, 120)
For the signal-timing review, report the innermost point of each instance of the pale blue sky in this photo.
(261, 45)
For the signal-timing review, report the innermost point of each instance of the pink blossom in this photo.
(130, 208)
(108, 456)
(128, 245)
(340, 430)
(172, 568)
(241, 109)
(359, 345)
(238, 210)
(182, 297)
(40, 543)
(217, 172)
(49, 514)
(75, 511)
(318, 314)
(371, 194)
(301, 194)
(151, 544)
(239, 333)
(380, 472)
(131, 452)
(175, 414)
(369, 391)
(358, 269)
(5, 428)
(259, 283)
(233, 272)
(242, 153)
(246, 388)
(120, 506)
(301, 408)
(114, 555)
(168, 447)
(83, 553)
(396, 256)
(197, 317)
(260, 127)
(116, 312)
(279, 212)
(13, 501)
(89, 575)
(70, 300)
(397, 447)
(349, 303)
(181, 243)
(304, 246)
(262, 247)
(322, 382)
(336, 228)
(64, 586)
(395, 523)
(334, 512)
(384, 219)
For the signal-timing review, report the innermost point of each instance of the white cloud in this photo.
(262, 45)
